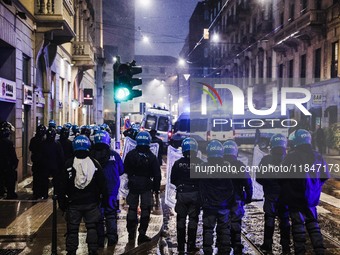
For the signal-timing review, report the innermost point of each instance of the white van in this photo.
(160, 120)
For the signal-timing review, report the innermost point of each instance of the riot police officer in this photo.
(188, 199)
(66, 144)
(113, 168)
(301, 191)
(35, 147)
(144, 176)
(243, 192)
(83, 185)
(52, 162)
(273, 206)
(217, 197)
(9, 162)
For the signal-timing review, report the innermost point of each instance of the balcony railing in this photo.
(83, 54)
(312, 20)
(55, 15)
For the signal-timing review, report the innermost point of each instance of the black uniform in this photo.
(35, 147)
(273, 206)
(243, 192)
(82, 203)
(66, 144)
(188, 200)
(52, 164)
(9, 163)
(217, 197)
(302, 195)
(144, 175)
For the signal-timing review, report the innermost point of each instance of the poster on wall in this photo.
(28, 95)
(8, 90)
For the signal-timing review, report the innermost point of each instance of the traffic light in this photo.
(124, 81)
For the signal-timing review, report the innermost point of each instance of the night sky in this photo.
(165, 23)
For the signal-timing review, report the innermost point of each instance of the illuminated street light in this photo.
(215, 38)
(145, 39)
(181, 62)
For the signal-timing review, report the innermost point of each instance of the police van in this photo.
(202, 128)
(159, 119)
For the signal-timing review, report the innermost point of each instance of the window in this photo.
(290, 73)
(282, 16)
(269, 67)
(304, 6)
(162, 70)
(335, 60)
(291, 12)
(280, 75)
(303, 63)
(26, 70)
(317, 64)
(163, 123)
(150, 122)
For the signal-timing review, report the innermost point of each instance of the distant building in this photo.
(266, 44)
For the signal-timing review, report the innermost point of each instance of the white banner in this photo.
(170, 189)
(129, 145)
(257, 188)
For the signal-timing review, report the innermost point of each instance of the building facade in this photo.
(267, 44)
(52, 52)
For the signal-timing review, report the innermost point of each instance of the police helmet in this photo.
(81, 143)
(75, 129)
(58, 129)
(85, 130)
(189, 144)
(64, 133)
(5, 129)
(215, 149)
(103, 137)
(51, 133)
(299, 137)
(143, 138)
(52, 124)
(230, 148)
(68, 125)
(41, 130)
(278, 140)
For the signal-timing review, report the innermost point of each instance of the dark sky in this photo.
(165, 23)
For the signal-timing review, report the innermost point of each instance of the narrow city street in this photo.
(26, 225)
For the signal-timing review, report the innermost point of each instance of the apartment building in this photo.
(266, 44)
(51, 66)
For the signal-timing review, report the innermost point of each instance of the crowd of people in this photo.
(290, 198)
(85, 174)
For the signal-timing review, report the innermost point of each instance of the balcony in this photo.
(56, 18)
(333, 15)
(312, 22)
(83, 55)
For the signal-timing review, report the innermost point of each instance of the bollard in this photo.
(54, 225)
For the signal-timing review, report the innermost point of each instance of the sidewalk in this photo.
(26, 228)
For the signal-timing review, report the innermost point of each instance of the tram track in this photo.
(251, 244)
